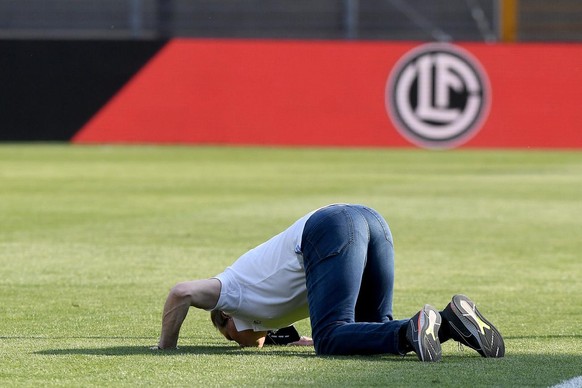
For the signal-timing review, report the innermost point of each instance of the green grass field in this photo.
(92, 238)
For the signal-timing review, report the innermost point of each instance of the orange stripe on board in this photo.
(509, 20)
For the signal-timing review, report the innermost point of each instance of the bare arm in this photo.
(202, 294)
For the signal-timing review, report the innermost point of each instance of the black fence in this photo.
(466, 20)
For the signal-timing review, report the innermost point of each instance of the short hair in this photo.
(219, 319)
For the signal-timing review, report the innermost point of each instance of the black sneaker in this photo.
(470, 328)
(423, 334)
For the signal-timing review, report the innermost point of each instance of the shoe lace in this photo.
(461, 347)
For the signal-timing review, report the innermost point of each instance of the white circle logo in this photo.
(438, 96)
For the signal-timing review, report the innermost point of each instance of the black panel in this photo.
(49, 89)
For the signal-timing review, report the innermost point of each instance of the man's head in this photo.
(225, 325)
(219, 319)
(221, 322)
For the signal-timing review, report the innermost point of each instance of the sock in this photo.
(403, 345)
(445, 329)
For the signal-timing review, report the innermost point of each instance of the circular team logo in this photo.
(438, 96)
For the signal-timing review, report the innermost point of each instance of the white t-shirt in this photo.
(265, 288)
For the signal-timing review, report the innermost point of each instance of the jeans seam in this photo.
(351, 229)
(380, 221)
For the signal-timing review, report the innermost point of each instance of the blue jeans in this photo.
(349, 266)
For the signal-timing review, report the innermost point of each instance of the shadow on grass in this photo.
(218, 350)
(182, 350)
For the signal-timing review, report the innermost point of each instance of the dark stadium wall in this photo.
(50, 89)
(294, 93)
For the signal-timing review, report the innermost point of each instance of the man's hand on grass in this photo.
(303, 341)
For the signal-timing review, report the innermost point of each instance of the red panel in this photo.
(329, 93)
(537, 96)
